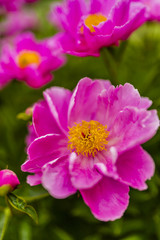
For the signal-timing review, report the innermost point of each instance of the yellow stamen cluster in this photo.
(26, 58)
(88, 138)
(93, 20)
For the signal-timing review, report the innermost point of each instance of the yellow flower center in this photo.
(88, 138)
(93, 20)
(25, 58)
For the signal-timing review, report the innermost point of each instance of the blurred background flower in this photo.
(28, 60)
(88, 26)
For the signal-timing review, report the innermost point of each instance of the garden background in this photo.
(136, 61)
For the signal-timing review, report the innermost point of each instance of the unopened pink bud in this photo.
(8, 181)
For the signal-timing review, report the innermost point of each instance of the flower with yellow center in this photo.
(93, 20)
(88, 138)
(26, 58)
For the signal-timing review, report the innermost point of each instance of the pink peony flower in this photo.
(30, 61)
(89, 140)
(87, 26)
(8, 181)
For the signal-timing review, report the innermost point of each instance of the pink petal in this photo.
(58, 99)
(43, 150)
(44, 125)
(33, 77)
(102, 6)
(35, 179)
(27, 40)
(83, 102)
(135, 167)
(63, 14)
(128, 121)
(107, 200)
(133, 127)
(145, 103)
(82, 171)
(120, 12)
(136, 17)
(111, 101)
(105, 161)
(56, 178)
(75, 11)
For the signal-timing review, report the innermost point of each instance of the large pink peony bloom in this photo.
(89, 140)
(90, 25)
(8, 181)
(30, 61)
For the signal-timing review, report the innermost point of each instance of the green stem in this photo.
(121, 50)
(9, 206)
(7, 213)
(110, 64)
(36, 198)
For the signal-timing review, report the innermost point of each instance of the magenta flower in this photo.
(89, 140)
(30, 61)
(87, 26)
(8, 181)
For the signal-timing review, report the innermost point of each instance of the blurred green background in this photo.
(137, 62)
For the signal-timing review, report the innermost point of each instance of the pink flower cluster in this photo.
(29, 60)
(87, 26)
(90, 141)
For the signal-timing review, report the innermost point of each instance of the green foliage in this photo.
(136, 61)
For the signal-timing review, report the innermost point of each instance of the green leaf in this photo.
(20, 205)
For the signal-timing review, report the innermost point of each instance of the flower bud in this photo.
(8, 181)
